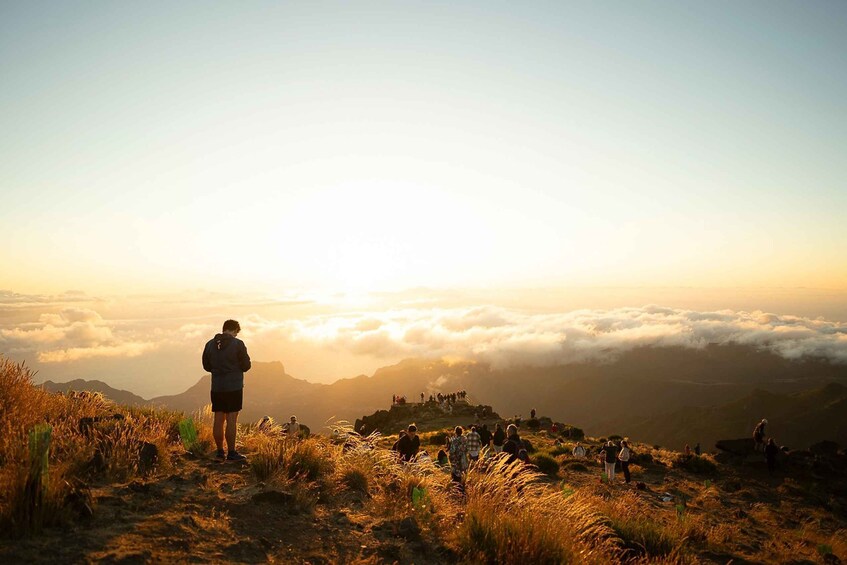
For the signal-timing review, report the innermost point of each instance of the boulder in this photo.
(148, 456)
(825, 448)
(272, 497)
(741, 447)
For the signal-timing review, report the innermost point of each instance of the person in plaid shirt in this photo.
(474, 444)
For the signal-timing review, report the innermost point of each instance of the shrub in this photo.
(533, 424)
(545, 464)
(577, 466)
(572, 432)
(437, 438)
(699, 464)
(561, 449)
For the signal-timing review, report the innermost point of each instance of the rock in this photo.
(742, 447)
(831, 559)
(272, 497)
(825, 448)
(148, 456)
(409, 528)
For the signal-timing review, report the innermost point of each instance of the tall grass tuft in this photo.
(513, 517)
(88, 436)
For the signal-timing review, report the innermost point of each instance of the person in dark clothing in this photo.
(624, 456)
(610, 451)
(697, 448)
(513, 445)
(498, 438)
(771, 450)
(485, 436)
(409, 444)
(225, 357)
(396, 445)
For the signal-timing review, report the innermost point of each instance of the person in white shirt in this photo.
(579, 451)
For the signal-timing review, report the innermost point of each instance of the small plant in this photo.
(545, 464)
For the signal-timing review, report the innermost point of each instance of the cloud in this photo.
(72, 334)
(505, 337)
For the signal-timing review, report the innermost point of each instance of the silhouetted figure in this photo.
(759, 435)
(697, 448)
(532, 414)
(498, 439)
(771, 450)
(514, 446)
(225, 357)
(623, 457)
(409, 444)
(610, 455)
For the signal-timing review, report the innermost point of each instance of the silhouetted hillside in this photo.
(797, 420)
(609, 397)
(113, 394)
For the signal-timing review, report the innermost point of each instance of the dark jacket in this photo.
(513, 446)
(408, 447)
(226, 358)
(611, 452)
(499, 437)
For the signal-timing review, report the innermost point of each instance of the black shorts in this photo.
(227, 401)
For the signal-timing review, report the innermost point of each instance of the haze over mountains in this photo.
(665, 395)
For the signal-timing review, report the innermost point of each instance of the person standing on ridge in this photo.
(226, 358)
(610, 455)
(759, 435)
(623, 457)
(771, 451)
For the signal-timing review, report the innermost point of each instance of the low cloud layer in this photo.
(506, 337)
(72, 334)
(156, 342)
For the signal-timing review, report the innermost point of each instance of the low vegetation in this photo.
(57, 449)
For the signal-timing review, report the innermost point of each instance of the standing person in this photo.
(225, 357)
(409, 444)
(422, 398)
(514, 446)
(697, 448)
(485, 437)
(396, 445)
(474, 444)
(498, 438)
(610, 455)
(623, 457)
(759, 435)
(292, 428)
(457, 452)
(579, 451)
(771, 451)
(532, 414)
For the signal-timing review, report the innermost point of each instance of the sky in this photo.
(624, 153)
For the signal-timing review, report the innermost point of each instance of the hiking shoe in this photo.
(235, 456)
(221, 454)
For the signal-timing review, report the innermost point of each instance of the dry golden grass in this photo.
(511, 516)
(31, 498)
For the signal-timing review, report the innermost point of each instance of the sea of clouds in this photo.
(71, 328)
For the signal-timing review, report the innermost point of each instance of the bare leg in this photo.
(231, 428)
(218, 429)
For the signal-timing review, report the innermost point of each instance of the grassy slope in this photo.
(349, 505)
